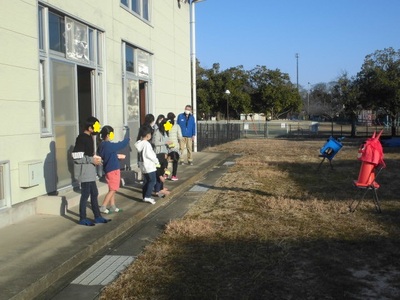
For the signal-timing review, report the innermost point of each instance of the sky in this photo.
(330, 36)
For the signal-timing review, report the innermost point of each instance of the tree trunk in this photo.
(353, 125)
(393, 122)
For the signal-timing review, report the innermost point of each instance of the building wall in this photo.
(19, 97)
(167, 37)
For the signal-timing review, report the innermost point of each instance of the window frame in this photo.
(46, 55)
(135, 74)
(144, 11)
(61, 28)
(46, 128)
(5, 184)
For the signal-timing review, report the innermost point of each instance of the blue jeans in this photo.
(159, 185)
(89, 189)
(149, 181)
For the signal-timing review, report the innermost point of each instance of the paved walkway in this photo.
(42, 249)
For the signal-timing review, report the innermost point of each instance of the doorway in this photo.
(85, 105)
(72, 104)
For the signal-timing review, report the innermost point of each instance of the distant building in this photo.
(63, 61)
(252, 117)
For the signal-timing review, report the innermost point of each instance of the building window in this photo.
(41, 28)
(99, 48)
(138, 7)
(66, 38)
(44, 105)
(145, 4)
(137, 69)
(143, 63)
(129, 59)
(56, 32)
(135, 6)
(137, 61)
(77, 40)
(5, 190)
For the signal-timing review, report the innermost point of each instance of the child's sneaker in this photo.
(174, 178)
(104, 210)
(149, 200)
(117, 210)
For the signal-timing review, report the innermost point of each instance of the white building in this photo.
(63, 61)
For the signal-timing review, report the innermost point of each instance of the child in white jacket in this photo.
(147, 162)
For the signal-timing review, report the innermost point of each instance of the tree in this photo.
(319, 97)
(348, 93)
(211, 86)
(379, 83)
(273, 93)
(237, 82)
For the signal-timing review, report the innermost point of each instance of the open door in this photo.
(72, 105)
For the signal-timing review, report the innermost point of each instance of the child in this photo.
(159, 188)
(149, 120)
(85, 162)
(108, 153)
(148, 162)
(161, 143)
(175, 135)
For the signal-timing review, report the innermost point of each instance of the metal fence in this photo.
(215, 133)
(212, 133)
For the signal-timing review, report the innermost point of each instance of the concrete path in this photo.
(38, 252)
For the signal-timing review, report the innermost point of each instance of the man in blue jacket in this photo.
(188, 127)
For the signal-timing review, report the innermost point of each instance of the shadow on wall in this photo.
(50, 170)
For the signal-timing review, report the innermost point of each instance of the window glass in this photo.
(56, 32)
(41, 36)
(77, 40)
(139, 7)
(43, 104)
(135, 6)
(92, 49)
(129, 59)
(99, 48)
(143, 62)
(132, 99)
(2, 185)
(63, 91)
(146, 9)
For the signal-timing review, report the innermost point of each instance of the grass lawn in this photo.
(276, 227)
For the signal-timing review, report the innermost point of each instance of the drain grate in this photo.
(104, 271)
(198, 188)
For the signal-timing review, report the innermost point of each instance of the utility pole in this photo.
(308, 100)
(297, 70)
(227, 93)
(192, 4)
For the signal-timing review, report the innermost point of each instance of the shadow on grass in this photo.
(337, 183)
(290, 269)
(234, 189)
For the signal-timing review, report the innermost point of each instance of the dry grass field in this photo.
(276, 227)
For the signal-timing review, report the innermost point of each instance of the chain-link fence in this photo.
(211, 133)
